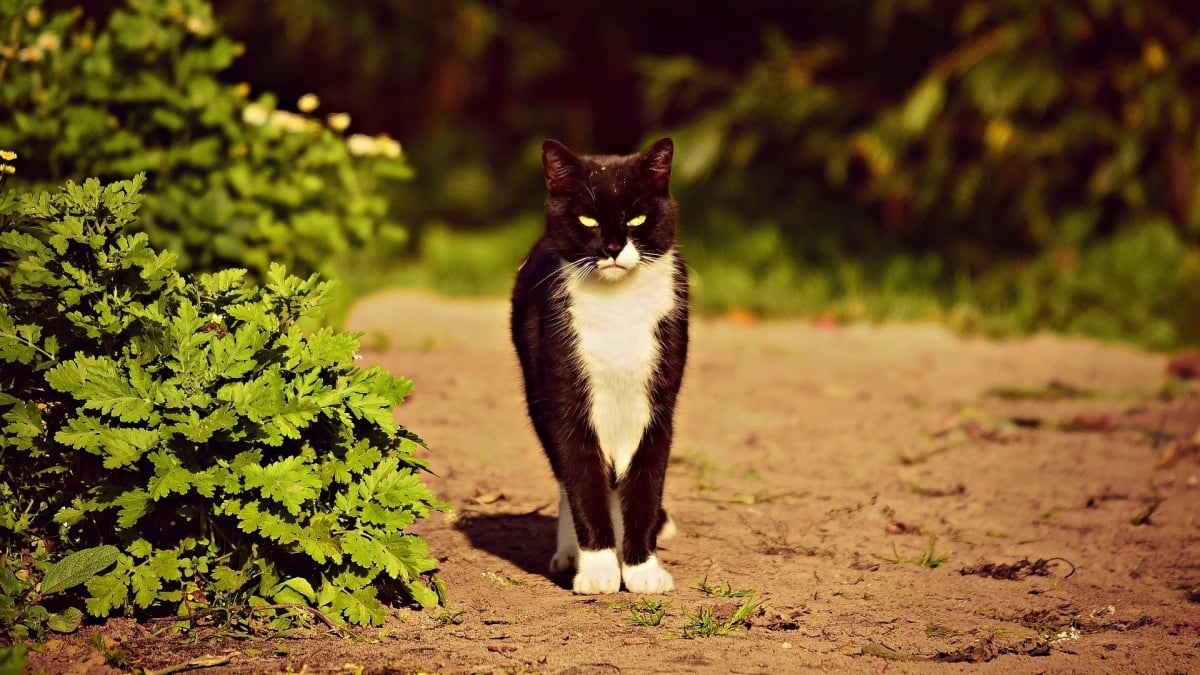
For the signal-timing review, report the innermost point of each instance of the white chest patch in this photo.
(615, 322)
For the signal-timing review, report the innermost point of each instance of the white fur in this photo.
(567, 552)
(568, 546)
(668, 529)
(615, 319)
(598, 572)
(647, 577)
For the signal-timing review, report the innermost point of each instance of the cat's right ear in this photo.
(561, 166)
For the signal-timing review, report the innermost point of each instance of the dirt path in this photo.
(813, 465)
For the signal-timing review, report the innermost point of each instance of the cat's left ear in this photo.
(560, 165)
(656, 163)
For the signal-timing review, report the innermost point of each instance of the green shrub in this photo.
(188, 421)
(234, 183)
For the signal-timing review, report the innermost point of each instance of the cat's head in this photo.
(608, 214)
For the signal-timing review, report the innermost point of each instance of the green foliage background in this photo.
(108, 90)
(1005, 166)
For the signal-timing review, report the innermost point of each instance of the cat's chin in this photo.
(612, 273)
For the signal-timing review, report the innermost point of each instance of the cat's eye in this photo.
(635, 221)
(588, 221)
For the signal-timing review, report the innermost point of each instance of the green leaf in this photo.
(301, 586)
(99, 384)
(424, 595)
(290, 482)
(132, 505)
(10, 585)
(360, 607)
(14, 659)
(66, 621)
(78, 567)
(119, 446)
(169, 477)
(108, 592)
(145, 585)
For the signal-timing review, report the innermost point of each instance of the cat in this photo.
(600, 325)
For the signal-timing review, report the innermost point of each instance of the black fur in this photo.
(611, 189)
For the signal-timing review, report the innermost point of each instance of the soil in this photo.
(1050, 486)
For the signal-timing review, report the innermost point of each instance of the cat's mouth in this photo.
(611, 270)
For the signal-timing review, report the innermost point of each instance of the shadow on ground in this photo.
(526, 540)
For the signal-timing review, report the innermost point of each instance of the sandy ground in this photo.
(814, 465)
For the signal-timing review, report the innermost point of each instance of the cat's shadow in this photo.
(525, 540)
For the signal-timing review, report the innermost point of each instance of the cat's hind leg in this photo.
(666, 525)
(566, 553)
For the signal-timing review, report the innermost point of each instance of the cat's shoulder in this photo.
(535, 270)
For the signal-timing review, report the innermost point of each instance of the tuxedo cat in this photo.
(600, 323)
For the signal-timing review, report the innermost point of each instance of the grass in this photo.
(722, 590)
(930, 558)
(645, 612)
(450, 617)
(706, 622)
(754, 272)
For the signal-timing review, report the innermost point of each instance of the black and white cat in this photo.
(600, 323)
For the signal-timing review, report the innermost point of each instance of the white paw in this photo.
(648, 577)
(564, 559)
(598, 572)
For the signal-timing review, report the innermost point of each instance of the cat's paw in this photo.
(648, 577)
(564, 560)
(598, 572)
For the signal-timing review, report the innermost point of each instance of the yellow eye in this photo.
(635, 221)
(589, 222)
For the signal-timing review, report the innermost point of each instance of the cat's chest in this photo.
(617, 350)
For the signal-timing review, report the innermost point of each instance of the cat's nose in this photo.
(612, 248)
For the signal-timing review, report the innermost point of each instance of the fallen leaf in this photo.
(1089, 422)
(1176, 451)
(488, 498)
(1185, 366)
(740, 317)
(898, 527)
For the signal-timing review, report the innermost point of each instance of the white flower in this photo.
(339, 122)
(49, 41)
(308, 103)
(290, 121)
(361, 145)
(388, 146)
(197, 25)
(255, 115)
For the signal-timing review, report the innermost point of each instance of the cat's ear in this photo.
(561, 166)
(656, 163)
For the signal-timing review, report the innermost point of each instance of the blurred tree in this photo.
(905, 143)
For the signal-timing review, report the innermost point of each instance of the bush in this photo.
(234, 182)
(187, 420)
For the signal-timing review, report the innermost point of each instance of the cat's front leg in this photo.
(640, 491)
(587, 492)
